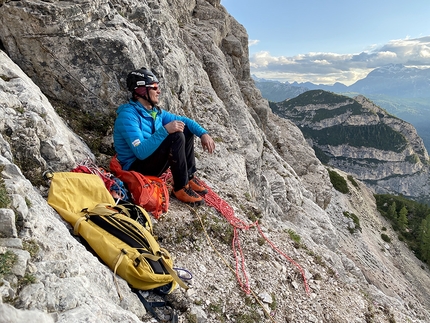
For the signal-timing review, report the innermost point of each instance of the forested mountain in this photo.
(355, 135)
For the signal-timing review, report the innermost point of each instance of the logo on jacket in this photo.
(136, 143)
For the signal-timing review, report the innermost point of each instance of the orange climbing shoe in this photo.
(187, 195)
(197, 186)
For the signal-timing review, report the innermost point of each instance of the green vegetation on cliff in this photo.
(315, 97)
(5, 200)
(411, 221)
(378, 136)
(352, 108)
(338, 182)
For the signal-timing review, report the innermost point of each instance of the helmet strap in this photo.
(145, 97)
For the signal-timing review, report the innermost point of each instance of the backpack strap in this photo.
(100, 209)
(117, 263)
(126, 209)
(78, 222)
(170, 270)
(149, 306)
(173, 273)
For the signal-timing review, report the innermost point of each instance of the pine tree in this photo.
(425, 239)
(392, 213)
(402, 221)
(422, 230)
(426, 248)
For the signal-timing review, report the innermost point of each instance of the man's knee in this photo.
(177, 138)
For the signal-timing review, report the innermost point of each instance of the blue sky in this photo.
(328, 41)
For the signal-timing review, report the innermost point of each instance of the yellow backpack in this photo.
(122, 239)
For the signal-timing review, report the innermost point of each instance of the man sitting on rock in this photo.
(149, 140)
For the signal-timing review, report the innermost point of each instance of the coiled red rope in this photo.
(214, 200)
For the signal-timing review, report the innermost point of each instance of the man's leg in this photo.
(182, 164)
(156, 164)
(194, 183)
(176, 151)
(189, 152)
(177, 160)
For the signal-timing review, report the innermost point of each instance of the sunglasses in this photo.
(154, 86)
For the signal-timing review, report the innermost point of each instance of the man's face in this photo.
(154, 92)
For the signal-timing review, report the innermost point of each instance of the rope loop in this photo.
(212, 199)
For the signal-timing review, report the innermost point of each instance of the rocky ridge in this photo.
(73, 57)
(362, 139)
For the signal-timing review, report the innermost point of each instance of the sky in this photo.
(328, 41)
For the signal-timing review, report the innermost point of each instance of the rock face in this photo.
(71, 58)
(33, 136)
(362, 139)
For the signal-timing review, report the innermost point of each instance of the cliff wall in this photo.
(62, 75)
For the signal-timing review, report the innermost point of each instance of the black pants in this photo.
(176, 151)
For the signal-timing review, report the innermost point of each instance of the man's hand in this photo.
(207, 143)
(175, 126)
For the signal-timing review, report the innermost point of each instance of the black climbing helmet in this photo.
(140, 77)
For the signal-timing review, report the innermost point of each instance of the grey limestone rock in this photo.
(72, 58)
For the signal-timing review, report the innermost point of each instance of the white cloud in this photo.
(252, 42)
(425, 53)
(264, 59)
(328, 68)
(387, 55)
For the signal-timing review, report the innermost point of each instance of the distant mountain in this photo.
(402, 91)
(395, 81)
(336, 87)
(360, 138)
(277, 91)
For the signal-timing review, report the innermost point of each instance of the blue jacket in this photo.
(137, 134)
